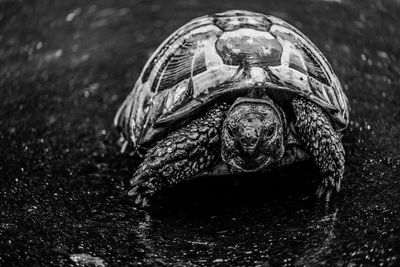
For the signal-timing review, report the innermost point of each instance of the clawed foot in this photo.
(143, 188)
(179, 156)
(323, 143)
(328, 185)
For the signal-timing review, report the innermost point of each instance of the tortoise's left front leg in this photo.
(181, 155)
(322, 142)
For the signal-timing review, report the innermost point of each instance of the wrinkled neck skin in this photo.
(253, 135)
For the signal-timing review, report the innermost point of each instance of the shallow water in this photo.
(67, 65)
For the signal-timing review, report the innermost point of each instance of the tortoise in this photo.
(233, 92)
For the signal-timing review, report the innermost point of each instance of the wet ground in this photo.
(65, 66)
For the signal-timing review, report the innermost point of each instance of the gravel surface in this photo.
(65, 68)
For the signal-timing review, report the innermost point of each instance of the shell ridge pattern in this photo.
(314, 54)
(160, 69)
(167, 43)
(214, 55)
(130, 117)
(326, 65)
(235, 19)
(170, 68)
(177, 65)
(278, 21)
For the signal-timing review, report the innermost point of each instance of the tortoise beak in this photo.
(252, 165)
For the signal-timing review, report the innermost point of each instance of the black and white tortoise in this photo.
(233, 92)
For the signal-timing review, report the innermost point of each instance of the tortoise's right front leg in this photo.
(181, 155)
(322, 142)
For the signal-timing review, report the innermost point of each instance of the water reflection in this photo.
(278, 228)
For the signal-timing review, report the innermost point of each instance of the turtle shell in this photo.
(222, 55)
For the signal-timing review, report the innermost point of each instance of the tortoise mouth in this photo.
(249, 149)
(250, 165)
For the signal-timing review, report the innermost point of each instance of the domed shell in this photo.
(224, 54)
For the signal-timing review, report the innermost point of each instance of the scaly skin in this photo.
(181, 155)
(323, 144)
(196, 147)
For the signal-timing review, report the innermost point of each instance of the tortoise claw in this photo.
(320, 191)
(325, 192)
(140, 200)
(328, 194)
(179, 156)
(322, 142)
(141, 190)
(337, 185)
(133, 191)
(139, 177)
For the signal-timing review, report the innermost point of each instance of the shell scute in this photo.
(171, 42)
(238, 19)
(249, 47)
(314, 64)
(318, 71)
(225, 53)
(185, 58)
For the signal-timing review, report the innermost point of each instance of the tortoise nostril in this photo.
(248, 139)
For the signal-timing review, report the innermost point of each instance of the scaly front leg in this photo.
(181, 155)
(323, 144)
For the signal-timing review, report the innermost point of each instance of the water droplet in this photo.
(363, 57)
(39, 45)
(383, 54)
(73, 14)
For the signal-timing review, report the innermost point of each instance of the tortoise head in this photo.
(253, 134)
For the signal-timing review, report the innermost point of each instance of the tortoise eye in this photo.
(271, 131)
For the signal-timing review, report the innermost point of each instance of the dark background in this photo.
(66, 66)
